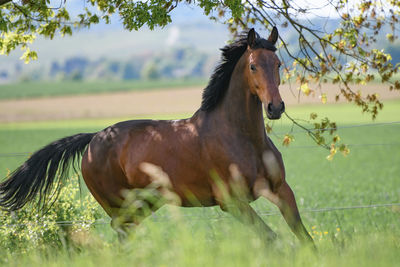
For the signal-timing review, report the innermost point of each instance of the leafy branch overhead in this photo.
(345, 55)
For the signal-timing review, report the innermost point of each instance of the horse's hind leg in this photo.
(122, 228)
(126, 218)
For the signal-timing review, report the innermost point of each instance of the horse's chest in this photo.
(222, 153)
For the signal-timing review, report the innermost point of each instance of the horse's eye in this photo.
(253, 67)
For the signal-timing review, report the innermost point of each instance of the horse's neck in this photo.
(239, 110)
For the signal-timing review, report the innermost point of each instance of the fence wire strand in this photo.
(24, 154)
(157, 218)
(347, 127)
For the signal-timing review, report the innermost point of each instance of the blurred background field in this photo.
(33, 89)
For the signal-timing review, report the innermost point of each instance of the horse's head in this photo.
(262, 72)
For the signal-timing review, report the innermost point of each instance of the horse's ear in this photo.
(251, 37)
(274, 35)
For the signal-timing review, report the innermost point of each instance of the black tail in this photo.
(38, 174)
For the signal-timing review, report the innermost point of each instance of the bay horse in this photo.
(227, 129)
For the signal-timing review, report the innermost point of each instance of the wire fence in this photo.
(350, 145)
(220, 216)
(15, 154)
(347, 127)
(25, 154)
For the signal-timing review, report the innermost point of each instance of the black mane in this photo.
(219, 81)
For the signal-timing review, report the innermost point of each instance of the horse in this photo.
(227, 130)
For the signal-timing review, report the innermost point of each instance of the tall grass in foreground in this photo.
(181, 241)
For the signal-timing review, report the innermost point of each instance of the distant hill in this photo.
(190, 28)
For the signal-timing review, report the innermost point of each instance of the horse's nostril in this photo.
(274, 109)
(269, 108)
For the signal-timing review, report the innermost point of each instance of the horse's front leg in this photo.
(243, 212)
(283, 197)
(286, 203)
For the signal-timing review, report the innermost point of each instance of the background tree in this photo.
(344, 55)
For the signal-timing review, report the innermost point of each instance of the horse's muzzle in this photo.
(275, 112)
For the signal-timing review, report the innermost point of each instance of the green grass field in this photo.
(370, 174)
(44, 89)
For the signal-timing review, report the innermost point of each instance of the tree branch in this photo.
(3, 2)
(310, 132)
